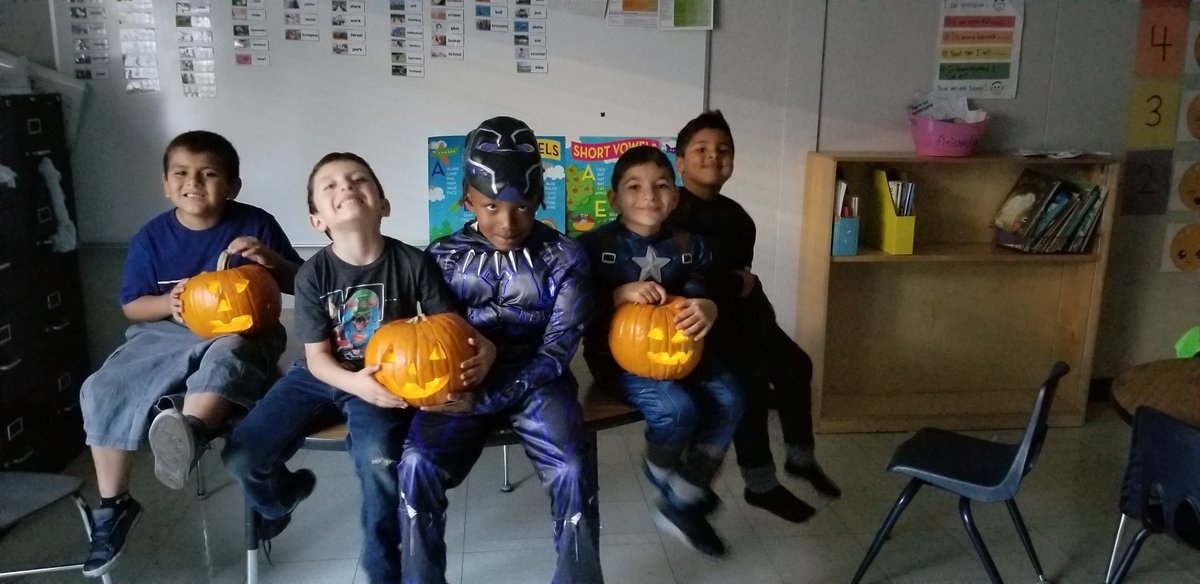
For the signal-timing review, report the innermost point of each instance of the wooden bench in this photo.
(602, 409)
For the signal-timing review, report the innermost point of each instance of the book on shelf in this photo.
(1042, 214)
(1025, 201)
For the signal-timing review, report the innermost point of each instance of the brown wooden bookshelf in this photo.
(960, 333)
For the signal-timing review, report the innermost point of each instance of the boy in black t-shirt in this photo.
(343, 295)
(747, 336)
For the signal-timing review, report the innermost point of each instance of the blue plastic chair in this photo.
(975, 470)
(1162, 483)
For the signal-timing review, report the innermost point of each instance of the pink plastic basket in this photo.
(937, 138)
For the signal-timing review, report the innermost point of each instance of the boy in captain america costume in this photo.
(525, 286)
(689, 422)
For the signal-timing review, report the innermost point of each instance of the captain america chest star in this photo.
(634, 259)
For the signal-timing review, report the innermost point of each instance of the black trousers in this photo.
(761, 357)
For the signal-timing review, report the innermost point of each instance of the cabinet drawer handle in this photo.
(58, 327)
(10, 365)
(16, 461)
(5, 266)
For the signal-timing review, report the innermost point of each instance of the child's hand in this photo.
(175, 301)
(696, 317)
(748, 281)
(640, 293)
(477, 367)
(460, 403)
(364, 386)
(254, 250)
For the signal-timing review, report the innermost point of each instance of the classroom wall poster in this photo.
(447, 215)
(660, 14)
(979, 48)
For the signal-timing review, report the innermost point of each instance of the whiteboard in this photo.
(283, 117)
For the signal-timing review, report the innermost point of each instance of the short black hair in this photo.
(334, 157)
(641, 155)
(205, 142)
(709, 120)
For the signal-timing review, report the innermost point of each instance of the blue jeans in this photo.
(275, 430)
(696, 415)
(441, 450)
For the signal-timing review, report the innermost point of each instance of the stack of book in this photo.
(1044, 214)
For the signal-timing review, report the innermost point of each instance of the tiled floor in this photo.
(1069, 503)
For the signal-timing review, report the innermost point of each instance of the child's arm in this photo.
(281, 268)
(323, 366)
(697, 313)
(152, 307)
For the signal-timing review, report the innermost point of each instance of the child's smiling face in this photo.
(199, 187)
(344, 193)
(707, 160)
(645, 196)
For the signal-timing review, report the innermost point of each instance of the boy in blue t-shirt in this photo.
(689, 422)
(758, 351)
(160, 356)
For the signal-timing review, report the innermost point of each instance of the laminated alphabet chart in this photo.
(251, 51)
(349, 21)
(407, 50)
(449, 29)
(300, 21)
(89, 39)
(529, 36)
(139, 45)
(194, 37)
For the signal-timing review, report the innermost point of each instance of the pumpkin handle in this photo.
(223, 260)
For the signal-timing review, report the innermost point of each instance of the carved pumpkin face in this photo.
(419, 358)
(242, 300)
(644, 341)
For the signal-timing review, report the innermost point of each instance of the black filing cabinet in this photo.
(43, 348)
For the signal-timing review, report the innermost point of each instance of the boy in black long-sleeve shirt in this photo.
(747, 336)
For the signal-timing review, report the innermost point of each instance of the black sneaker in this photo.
(111, 529)
(782, 503)
(303, 483)
(176, 448)
(708, 506)
(816, 477)
(691, 527)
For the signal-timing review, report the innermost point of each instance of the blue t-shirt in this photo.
(163, 251)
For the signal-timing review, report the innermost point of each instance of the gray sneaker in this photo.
(175, 447)
(111, 529)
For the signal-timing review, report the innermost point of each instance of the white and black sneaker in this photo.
(110, 529)
(176, 446)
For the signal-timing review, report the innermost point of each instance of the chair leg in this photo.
(1112, 558)
(252, 525)
(1131, 552)
(1019, 522)
(964, 510)
(201, 489)
(507, 486)
(906, 497)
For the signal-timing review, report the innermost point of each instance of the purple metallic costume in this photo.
(533, 303)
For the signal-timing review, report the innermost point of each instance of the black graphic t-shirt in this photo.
(345, 304)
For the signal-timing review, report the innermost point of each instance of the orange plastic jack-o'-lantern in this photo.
(242, 300)
(644, 341)
(419, 359)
